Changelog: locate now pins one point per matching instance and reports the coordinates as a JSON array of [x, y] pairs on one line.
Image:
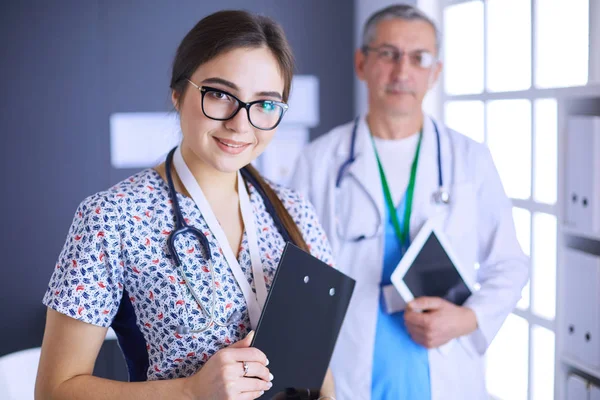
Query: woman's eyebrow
[[223, 82], [277, 95], [233, 86]]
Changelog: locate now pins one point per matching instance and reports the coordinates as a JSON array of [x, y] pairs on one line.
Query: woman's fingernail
[[270, 377], [267, 362], [261, 392]]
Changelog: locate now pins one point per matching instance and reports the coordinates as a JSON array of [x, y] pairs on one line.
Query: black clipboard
[[300, 323]]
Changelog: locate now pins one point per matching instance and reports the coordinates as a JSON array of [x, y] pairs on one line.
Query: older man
[[374, 183]]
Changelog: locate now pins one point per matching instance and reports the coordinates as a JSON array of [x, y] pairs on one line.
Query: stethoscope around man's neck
[[440, 196]]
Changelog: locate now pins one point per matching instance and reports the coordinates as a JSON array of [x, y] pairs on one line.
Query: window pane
[[509, 45], [507, 361], [465, 117], [542, 377], [562, 41], [509, 139], [544, 265], [463, 48], [546, 142], [522, 219]]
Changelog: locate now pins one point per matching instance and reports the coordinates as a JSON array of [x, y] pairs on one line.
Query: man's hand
[[433, 321]]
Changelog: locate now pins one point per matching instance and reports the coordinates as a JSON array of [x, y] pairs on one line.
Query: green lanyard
[[401, 234]]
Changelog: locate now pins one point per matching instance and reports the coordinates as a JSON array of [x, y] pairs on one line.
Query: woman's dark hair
[[228, 30]]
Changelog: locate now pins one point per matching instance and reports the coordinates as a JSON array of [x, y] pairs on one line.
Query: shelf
[[581, 367], [574, 232]]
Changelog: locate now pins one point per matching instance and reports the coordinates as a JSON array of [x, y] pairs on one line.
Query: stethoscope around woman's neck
[[440, 196], [182, 228], [248, 177]]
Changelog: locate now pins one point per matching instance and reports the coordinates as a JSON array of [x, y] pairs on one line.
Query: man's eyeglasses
[[220, 105], [390, 54]]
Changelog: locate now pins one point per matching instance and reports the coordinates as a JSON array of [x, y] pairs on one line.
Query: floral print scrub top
[[115, 270]]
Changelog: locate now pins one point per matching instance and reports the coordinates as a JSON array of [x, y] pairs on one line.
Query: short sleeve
[[87, 280]]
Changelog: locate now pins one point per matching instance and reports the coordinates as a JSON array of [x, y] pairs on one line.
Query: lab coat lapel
[[426, 181], [365, 168]]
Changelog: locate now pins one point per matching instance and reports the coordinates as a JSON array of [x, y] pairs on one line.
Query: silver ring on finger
[[245, 364]]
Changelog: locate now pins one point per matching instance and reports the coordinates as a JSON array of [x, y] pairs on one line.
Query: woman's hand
[[223, 378]]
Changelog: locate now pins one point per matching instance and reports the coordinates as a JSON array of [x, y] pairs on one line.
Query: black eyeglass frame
[[241, 104]]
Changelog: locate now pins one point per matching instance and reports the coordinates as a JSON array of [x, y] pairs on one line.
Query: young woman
[[179, 259]]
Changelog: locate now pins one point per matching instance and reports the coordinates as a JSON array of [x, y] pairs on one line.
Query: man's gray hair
[[401, 11]]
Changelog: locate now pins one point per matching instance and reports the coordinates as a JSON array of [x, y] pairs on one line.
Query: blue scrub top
[[400, 366]]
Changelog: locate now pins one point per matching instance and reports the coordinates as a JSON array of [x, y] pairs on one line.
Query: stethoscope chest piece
[[441, 197]]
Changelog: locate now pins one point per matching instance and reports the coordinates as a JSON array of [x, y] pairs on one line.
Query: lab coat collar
[[366, 171]]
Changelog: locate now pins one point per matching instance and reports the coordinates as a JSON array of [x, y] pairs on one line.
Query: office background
[[67, 65]]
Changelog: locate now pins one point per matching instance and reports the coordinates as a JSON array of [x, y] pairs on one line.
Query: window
[[504, 60], [561, 54], [507, 360], [546, 157], [463, 44], [466, 117], [508, 128], [508, 50]]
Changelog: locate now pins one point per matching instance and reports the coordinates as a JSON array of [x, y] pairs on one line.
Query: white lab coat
[[478, 222]]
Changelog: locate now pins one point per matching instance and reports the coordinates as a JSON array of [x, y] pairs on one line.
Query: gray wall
[[65, 66]]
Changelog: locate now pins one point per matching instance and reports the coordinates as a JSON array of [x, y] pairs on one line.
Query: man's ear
[[435, 74], [359, 64]]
